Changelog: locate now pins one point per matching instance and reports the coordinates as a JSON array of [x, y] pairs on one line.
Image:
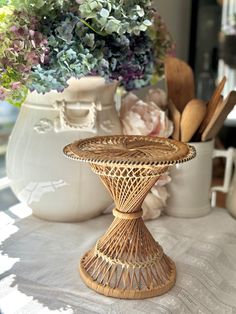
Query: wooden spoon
[[212, 105], [192, 117], [180, 82], [175, 117], [219, 117]]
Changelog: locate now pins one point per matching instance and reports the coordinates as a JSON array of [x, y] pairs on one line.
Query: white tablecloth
[[38, 266]]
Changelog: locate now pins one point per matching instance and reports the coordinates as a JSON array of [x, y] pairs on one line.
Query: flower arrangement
[[46, 42]]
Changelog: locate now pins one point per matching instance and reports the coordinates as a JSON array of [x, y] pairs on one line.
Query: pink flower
[[31, 33], [156, 200], [3, 94], [141, 118], [16, 85], [158, 96]]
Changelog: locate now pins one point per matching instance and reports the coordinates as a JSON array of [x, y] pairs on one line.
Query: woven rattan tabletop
[[130, 150]]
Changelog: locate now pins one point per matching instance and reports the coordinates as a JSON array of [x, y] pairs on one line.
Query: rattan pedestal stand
[[127, 262]]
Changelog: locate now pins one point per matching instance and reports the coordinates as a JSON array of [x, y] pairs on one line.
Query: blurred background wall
[[177, 15]]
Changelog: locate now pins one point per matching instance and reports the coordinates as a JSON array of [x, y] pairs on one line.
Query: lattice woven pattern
[[127, 262], [132, 150]]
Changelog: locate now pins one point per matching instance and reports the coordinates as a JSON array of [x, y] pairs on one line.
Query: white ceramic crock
[[54, 187], [190, 189]]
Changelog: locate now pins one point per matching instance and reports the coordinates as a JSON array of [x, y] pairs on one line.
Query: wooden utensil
[[175, 117], [180, 82], [212, 105], [219, 117], [192, 117]]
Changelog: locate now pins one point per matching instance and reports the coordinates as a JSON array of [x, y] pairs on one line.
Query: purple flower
[[18, 31], [18, 45], [14, 29], [32, 58]]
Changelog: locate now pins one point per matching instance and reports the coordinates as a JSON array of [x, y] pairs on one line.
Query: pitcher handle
[[87, 123], [229, 156]]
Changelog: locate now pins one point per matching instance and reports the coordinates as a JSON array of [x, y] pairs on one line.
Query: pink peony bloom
[[158, 96], [141, 118]]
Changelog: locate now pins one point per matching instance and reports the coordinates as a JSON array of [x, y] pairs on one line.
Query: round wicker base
[[124, 293]]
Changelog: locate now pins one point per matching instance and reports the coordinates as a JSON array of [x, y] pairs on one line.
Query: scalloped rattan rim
[[135, 164]]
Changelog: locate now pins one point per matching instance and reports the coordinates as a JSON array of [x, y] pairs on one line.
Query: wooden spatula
[[219, 117], [191, 119], [212, 105], [180, 82], [175, 117]]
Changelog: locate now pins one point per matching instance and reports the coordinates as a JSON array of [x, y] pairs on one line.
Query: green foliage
[[117, 16], [17, 97], [3, 3]]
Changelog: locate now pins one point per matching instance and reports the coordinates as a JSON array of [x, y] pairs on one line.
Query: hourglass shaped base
[[127, 262], [144, 273]]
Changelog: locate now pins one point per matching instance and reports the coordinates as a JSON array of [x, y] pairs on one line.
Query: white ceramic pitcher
[[55, 187], [231, 197], [190, 189]]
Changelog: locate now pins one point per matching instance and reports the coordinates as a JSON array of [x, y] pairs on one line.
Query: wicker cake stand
[[127, 262]]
